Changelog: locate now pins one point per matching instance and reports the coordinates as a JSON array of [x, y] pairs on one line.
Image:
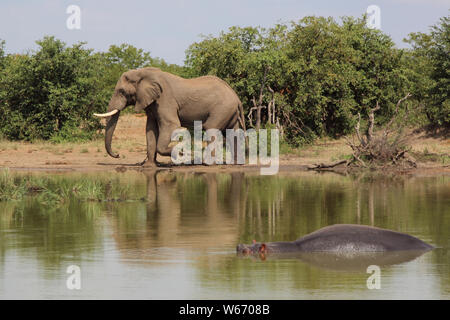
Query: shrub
[[51, 92], [322, 73], [430, 66]]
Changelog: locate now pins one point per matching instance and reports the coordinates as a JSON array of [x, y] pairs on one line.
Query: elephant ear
[[146, 93]]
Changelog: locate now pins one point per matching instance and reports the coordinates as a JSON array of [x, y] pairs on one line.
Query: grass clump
[[10, 188], [57, 190]]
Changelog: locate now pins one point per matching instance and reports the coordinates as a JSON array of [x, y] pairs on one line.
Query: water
[[176, 236]]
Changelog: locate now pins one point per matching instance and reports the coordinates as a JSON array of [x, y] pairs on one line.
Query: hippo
[[342, 239]]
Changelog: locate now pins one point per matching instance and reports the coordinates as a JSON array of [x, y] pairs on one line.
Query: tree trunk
[[260, 101]]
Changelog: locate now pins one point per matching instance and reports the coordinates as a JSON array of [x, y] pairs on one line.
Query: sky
[[167, 28]]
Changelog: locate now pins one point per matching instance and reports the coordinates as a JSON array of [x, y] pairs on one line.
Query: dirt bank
[[129, 141]]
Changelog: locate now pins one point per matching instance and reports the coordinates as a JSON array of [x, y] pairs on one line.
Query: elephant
[[171, 103]]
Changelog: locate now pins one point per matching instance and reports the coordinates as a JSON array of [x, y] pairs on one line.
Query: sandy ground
[[129, 142]]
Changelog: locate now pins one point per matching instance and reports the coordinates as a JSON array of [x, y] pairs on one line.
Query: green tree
[[2, 54], [51, 93], [337, 70], [430, 68], [322, 73], [119, 59], [243, 58]]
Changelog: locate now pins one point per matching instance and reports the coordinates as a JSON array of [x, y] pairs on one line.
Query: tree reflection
[[200, 214]]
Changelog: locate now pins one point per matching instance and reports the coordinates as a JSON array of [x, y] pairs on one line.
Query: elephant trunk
[[111, 123]]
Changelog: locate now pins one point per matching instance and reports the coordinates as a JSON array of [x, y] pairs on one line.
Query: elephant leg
[[152, 131], [233, 124], [164, 139], [236, 145], [227, 121]]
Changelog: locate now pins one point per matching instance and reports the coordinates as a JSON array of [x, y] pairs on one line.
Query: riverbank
[[431, 152]]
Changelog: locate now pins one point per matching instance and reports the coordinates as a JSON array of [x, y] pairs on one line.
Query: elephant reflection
[[175, 217]]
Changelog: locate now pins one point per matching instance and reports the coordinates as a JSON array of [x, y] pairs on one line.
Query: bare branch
[[371, 123], [271, 107], [261, 95], [288, 116], [388, 127], [358, 134]]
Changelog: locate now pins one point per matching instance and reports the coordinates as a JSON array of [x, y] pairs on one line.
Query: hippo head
[[250, 249]]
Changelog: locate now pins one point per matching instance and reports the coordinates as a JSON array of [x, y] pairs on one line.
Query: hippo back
[[358, 238]]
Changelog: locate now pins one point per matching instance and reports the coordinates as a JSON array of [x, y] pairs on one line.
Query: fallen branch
[[328, 166], [381, 149]]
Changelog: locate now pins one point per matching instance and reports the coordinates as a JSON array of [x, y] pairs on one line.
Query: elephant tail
[[241, 116]]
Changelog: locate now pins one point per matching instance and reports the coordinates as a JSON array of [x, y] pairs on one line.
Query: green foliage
[[323, 73], [239, 57], [119, 59], [2, 54], [50, 91], [430, 68], [52, 191]]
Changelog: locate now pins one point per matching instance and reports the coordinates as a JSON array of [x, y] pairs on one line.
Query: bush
[[2, 54], [119, 59], [309, 78], [430, 66], [322, 73], [50, 92]]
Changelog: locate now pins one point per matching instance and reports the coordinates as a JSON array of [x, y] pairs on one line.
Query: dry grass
[[129, 141]]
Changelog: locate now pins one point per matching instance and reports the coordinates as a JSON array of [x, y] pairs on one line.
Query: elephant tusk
[[108, 114]]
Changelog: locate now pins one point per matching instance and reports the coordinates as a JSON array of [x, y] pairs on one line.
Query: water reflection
[[194, 221], [182, 210], [349, 262]]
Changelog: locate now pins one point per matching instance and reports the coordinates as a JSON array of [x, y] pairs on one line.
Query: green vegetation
[[119, 59], [52, 191], [309, 79], [321, 73], [318, 73], [430, 64], [51, 93]]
